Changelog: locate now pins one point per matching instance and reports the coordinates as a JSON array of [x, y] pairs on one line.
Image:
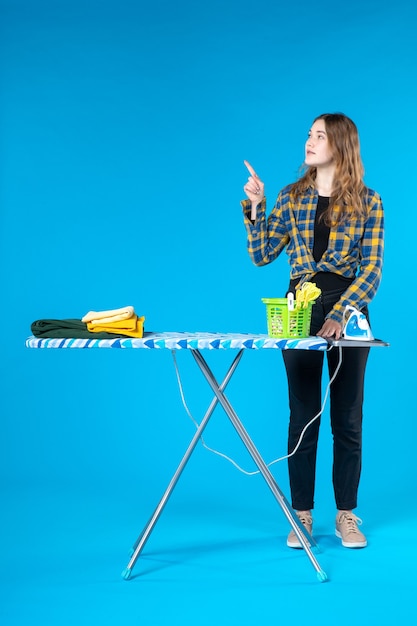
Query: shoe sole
[[296, 544], [347, 544]]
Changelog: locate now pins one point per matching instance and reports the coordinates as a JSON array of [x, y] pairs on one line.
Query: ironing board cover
[[186, 341]]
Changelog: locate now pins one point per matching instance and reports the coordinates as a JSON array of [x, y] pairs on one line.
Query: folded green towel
[[68, 328]]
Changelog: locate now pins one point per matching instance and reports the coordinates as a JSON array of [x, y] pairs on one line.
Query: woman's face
[[317, 149]]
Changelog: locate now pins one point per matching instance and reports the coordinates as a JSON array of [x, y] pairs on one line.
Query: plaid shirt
[[355, 248]]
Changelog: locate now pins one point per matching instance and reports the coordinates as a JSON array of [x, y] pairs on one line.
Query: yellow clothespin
[[308, 292]]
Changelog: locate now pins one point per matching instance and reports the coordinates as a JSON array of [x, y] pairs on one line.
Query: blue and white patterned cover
[[186, 341]]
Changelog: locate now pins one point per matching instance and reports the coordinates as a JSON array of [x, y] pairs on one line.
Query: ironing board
[[195, 343]]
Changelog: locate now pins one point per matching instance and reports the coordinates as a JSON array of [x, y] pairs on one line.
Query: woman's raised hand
[[254, 189]]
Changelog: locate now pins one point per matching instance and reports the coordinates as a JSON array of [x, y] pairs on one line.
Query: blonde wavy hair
[[348, 187]]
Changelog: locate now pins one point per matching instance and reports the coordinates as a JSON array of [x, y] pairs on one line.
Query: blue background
[[124, 126]]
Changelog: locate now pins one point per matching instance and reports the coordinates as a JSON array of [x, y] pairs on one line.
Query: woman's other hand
[[330, 329]]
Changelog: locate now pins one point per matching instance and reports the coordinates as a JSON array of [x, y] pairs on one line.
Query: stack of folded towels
[[122, 321]]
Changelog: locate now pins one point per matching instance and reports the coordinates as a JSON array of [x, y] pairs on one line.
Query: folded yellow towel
[[131, 327], [112, 315], [110, 320]]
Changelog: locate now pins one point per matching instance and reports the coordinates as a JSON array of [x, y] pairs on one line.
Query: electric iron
[[356, 325]]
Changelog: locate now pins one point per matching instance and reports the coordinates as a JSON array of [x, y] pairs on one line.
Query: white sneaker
[[347, 530]]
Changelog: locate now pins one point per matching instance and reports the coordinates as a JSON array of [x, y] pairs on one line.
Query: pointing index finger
[[251, 170]]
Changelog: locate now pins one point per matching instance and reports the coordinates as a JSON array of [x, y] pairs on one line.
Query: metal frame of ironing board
[[214, 341]]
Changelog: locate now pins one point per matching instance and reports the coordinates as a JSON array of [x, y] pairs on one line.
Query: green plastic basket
[[284, 323]]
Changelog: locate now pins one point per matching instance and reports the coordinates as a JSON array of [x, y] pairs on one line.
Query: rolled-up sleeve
[[266, 237]]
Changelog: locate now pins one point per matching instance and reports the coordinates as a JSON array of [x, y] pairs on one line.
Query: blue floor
[[206, 562]]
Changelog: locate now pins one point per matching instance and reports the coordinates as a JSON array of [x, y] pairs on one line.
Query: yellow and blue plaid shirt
[[355, 248]]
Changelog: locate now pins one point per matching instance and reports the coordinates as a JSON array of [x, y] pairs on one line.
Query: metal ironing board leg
[[303, 536], [145, 534]]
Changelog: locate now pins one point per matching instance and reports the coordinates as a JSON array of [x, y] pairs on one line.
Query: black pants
[[304, 372]]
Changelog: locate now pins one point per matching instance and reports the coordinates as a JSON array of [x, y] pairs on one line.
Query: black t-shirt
[[326, 281], [321, 230]]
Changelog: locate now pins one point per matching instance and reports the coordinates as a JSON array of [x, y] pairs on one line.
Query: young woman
[[331, 227]]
